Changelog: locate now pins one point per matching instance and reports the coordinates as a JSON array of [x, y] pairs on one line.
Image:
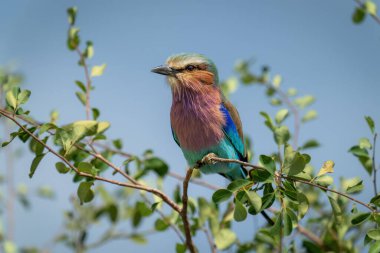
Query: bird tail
[[238, 173]]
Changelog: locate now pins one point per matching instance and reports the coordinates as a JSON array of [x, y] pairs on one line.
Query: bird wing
[[233, 129], [175, 137]]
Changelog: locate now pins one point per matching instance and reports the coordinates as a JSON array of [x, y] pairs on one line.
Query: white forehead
[[182, 60]]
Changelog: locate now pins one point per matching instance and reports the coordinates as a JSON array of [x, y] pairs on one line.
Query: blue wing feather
[[232, 134]]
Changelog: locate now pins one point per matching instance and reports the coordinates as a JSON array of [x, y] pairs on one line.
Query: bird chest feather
[[196, 119]]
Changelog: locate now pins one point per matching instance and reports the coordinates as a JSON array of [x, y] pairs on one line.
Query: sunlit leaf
[[374, 234], [310, 115], [370, 123], [327, 167], [98, 70], [281, 115], [281, 135], [224, 238]]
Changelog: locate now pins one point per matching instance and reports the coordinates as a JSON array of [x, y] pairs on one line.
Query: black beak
[[163, 70]]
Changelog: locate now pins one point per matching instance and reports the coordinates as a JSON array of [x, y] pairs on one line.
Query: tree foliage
[[301, 199]]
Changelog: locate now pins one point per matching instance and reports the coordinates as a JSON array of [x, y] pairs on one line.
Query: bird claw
[[208, 159]]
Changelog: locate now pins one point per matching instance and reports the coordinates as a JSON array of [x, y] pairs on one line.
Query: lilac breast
[[196, 120]]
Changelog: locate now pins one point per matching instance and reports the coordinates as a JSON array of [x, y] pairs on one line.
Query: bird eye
[[190, 67]]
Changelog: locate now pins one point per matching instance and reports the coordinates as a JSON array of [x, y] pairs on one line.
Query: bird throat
[[196, 118]]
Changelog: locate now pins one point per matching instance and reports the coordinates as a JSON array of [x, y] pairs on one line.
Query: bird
[[203, 121]]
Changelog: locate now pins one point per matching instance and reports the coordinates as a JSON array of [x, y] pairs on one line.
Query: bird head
[[189, 71]]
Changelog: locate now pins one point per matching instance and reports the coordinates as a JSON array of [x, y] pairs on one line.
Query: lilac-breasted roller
[[203, 121]]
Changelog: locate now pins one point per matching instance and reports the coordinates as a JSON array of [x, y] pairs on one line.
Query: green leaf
[[281, 115], [268, 163], [260, 176], [82, 97], [139, 239], [281, 135], [143, 209], [238, 184], [336, 209], [118, 143], [295, 163], [310, 115], [221, 195], [360, 218], [71, 13], [288, 224], [371, 124], [160, 225], [364, 143], [359, 152], [9, 247], [370, 7], [375, 247], [358, 16], [89, 51], [87, 168], [277, 79], [61, 168], [254, 200], [47, 126], [180, 248], [98, 70], [268, 120], [275, 102], [303, 204], [85, 193], [23, 97], [95, 113], [355, 188], [267, 201], [292, 92], [157, 165], [310, 144], [276, 228], [11, 98], [376, 200], [36, 161], [73, 39], [240, 213], [224, 238], [324, 180], [327, 167], [374, 234], [304, 101], [81, 86]]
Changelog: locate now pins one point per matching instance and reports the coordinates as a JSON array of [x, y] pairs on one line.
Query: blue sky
[[312, 44]]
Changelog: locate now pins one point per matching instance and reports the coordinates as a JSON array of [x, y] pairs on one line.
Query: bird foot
[[208, 159]]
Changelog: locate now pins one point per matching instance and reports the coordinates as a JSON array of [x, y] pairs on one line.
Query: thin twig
[[156, 192], [361, 5], [374, 169], [210, 240], [330, 190], [111, 235], [313, 237], [88, 81], [284, 97], [194, 181], [183, 213]]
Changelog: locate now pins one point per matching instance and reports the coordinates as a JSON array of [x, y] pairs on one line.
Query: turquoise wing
[[232, 133]]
